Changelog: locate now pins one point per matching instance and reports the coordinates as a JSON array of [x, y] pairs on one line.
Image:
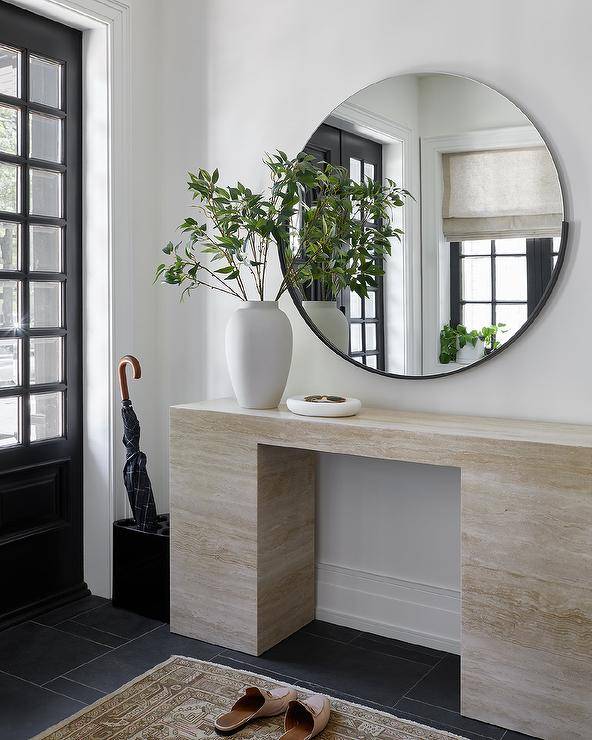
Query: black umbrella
[[135, 476]]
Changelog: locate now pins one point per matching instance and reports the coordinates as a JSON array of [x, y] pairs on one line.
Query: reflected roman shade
[[501, 193]]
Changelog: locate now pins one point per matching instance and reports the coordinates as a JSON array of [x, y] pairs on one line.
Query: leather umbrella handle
[[121, 369]]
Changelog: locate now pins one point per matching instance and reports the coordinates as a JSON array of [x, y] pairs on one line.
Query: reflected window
[[499, 281]]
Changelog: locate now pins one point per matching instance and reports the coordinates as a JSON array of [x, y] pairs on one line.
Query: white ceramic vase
[[259, 353], [330, 321], [469, 354]]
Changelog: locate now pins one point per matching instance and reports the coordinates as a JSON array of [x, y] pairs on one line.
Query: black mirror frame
[[495, 353]]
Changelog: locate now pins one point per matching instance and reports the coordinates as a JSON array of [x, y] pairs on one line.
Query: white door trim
[[359, 120], [107, 252]]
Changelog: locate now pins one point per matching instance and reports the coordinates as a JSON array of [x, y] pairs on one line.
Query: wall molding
[[108, 256], [402, 609], [365, 122]]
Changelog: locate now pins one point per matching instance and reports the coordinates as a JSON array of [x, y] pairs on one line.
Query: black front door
[[41, 560]]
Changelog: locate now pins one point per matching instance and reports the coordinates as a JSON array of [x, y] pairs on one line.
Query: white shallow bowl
[[298, 405]]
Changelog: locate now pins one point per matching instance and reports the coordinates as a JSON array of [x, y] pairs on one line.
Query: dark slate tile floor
[[64, 660]]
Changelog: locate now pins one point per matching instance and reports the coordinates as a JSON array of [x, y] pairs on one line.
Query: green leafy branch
[[339, 239]]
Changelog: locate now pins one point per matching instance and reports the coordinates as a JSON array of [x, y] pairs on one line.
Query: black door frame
[[41, 547]]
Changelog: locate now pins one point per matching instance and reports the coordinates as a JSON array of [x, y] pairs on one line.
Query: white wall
[[263, 91], [250, 81], [454, 105]]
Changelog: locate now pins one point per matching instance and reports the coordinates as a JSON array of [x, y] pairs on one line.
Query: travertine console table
[[242, 545]]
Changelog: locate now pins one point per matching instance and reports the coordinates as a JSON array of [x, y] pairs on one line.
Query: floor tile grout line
[[425, 675], [52, 691], [71, 680], [38, 685], [392, 655], [92, 660], [421, 649], [352, 644], [86, 611], [445, 709], [73, 634], [451, 725], [112, 634], [328, 689], [326, 637], [331, 639], [299, 681], [259, 668], [41, 686]]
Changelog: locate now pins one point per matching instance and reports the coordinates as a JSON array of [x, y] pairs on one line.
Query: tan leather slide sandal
[[254, 704], [306, 718]]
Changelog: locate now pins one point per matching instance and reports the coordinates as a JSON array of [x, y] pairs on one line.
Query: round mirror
[[466, 259]]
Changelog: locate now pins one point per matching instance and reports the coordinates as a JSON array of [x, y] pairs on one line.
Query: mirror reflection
[[481, 236]]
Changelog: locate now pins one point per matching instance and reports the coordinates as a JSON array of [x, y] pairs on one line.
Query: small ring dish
[[344, 407]]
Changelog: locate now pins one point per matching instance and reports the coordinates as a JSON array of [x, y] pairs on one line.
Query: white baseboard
[[383, 605]]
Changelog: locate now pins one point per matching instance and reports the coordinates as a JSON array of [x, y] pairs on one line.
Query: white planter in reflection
[[330, 321], [259, 353], [469, 354]]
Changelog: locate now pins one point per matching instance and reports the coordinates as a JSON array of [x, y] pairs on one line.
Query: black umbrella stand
[[140, 544]]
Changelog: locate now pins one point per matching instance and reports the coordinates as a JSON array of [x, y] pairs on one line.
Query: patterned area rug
[[181, 698]]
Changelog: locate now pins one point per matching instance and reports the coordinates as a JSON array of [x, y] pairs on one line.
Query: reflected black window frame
[[540, 258]]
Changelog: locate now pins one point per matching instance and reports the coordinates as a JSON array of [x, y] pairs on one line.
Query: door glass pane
[[356, 337], [45, 193], [45, 361], [370, 337], [10, 237], [510, 279], [9, 71], [368, 173], [45, 137], [9, 422], [479, 246], [355, 306], [45, 309], [476, 279], [46, 416], [45, 81], [513, 316], [476, 315], [371, 305], [9, 187], [45, 248], [510, 246], [9, 129], [355, 169], [371, 361], [9, 304], [9, 362]]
